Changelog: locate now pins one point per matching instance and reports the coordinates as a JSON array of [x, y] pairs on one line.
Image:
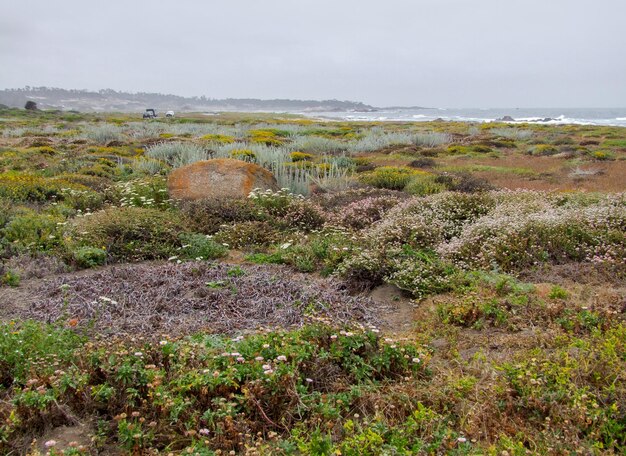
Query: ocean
[[547, 116]]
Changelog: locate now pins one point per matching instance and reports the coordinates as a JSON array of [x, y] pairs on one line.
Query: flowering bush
[[506, 230], [362, 213], [288, 210], [145, 192], [520, 233], [196, 392]]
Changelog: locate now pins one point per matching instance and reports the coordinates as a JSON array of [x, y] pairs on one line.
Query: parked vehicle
[[169, 114], [150, 114]]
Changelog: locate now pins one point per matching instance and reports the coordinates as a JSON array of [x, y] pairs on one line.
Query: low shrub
[[212, 385], [177, 153], [10, 278], [217, 138], [529, 229], [144, 192], [207, 216], [129, 233], [421, 273], [363, 212], [463, 182], [33, 232], [602, 155], [30, 187], [424, 162], [389, 177], [89, 257], [300, 156], [543, 150], [243, 154], [424, 185], [201, 247], [247, 234]]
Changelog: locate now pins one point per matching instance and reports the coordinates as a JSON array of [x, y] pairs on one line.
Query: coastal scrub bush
[[103, 134], [267, 137], [144, 192], [129, 233], [89, 257], [217, 138], [243, 154], [302, 215], [30, 187], [543, 150], [421, 273], [602, 155], [528, 229], [201, 247], [423, 185], [288, 210], [33, 232], [300, 156], [389, 177], [177, 153], [362, 213], [207, 216], [423, 162], [247, 234], [197, 392], [148, 166], [517, 134]]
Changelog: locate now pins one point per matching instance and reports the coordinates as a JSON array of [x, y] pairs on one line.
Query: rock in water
[[219, 178]]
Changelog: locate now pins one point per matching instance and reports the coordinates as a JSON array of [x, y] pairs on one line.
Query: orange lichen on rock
[[219, 178]]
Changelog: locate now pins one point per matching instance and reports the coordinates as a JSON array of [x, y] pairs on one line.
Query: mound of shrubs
[[129, 233]]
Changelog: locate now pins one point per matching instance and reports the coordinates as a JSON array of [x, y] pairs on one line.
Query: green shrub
[[243, 154], [543, 149], [216, 138], [421, 273], [389, 177], [603, 155], [10, 278], [130, 233], [300, 156], [558, 293], [201, 247], [29, 187], [424, 185], [89, 257], [33, 232]]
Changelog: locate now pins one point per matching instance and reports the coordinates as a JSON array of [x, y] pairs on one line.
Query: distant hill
[[108, 100]]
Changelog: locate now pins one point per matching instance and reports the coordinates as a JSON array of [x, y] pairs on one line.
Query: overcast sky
[[443, 53]]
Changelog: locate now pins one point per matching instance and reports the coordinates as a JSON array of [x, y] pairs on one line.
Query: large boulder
[[219, 178]]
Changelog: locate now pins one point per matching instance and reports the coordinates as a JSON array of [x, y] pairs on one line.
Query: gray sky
[[444, 53]]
